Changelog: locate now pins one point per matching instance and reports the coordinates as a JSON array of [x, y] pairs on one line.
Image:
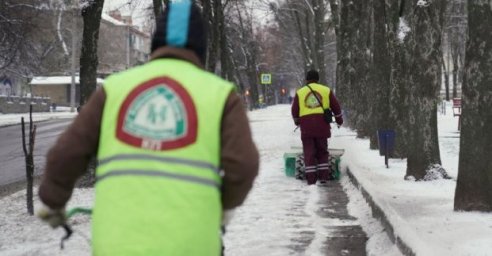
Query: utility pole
[[74, 51]]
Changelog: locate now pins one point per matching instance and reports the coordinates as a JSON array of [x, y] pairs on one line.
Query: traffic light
[[283, 91]]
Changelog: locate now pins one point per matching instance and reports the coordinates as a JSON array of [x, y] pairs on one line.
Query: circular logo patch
[[158, 115]]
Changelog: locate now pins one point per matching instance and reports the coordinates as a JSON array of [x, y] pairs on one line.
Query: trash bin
[[386, 141]]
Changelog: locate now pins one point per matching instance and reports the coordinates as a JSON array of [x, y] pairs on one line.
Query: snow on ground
[[280, 210], [11, 119], [421, 212], [22, 234]]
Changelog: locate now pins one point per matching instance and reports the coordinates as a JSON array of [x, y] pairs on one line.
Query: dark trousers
[[316, 159]]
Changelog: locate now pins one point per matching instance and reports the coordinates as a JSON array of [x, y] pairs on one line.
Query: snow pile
[[403, 30], [423, 3], [436, 172]]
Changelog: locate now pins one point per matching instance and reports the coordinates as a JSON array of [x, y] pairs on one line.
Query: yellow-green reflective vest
[[158, 182], [308, 104]]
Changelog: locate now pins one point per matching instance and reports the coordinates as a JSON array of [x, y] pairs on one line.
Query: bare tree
[[473, 191], [455, 30], [249, 49], [304, 22], [453, 45], [20, 51], [29, 159], [13, 30]]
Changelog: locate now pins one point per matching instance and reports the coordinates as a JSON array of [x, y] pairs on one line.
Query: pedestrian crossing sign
[[266, 78]]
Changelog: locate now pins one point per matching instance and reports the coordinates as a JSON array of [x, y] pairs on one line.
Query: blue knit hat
[[181, 25]]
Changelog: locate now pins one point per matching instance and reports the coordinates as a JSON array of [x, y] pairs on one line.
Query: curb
[[34, 122], [378, 213], [11, 188]]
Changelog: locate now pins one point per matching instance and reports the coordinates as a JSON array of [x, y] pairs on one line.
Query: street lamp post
[[263, 86]]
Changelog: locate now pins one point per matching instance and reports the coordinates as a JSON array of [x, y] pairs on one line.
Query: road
[[12, 164]]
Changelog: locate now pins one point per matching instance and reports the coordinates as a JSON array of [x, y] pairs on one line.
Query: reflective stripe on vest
[[159, 155], [164, 159], [308, 104], [161, 174]]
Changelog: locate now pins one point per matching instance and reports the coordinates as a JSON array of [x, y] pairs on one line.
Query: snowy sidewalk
[[281, 216], [419, 215]]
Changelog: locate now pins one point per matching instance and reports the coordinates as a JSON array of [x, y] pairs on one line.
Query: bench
[[457, 107], [457, 110]]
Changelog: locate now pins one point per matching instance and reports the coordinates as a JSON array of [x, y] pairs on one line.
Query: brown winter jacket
[[314, 126], [67, 160]]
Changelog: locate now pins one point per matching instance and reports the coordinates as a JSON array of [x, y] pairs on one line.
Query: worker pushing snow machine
[[313, 110]]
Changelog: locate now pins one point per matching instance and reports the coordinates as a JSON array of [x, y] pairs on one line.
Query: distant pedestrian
[[310, 103]]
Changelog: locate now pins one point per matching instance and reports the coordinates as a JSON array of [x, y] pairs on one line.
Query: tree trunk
[[335, 13], [400, 56], [157, 10], [455, 73], [344, 56], [319, 38], [473, 188], [232, 70], [213, 35], [224, 53], [29, 160], [380, 74], [446, 78], [359, 69], [335, 16], [88, 57], [425, 78], [251, 52], [207, 17], [304, 40], [159, 5]]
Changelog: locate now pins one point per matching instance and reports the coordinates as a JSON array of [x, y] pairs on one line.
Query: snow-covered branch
[[60, 36]]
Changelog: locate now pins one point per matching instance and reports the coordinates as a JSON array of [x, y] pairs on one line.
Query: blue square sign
[[266, 78]]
